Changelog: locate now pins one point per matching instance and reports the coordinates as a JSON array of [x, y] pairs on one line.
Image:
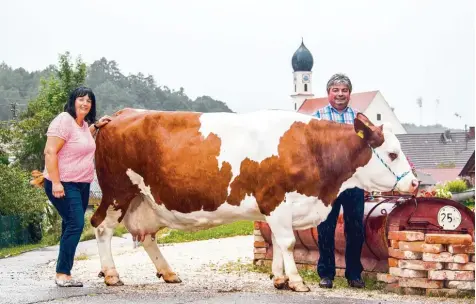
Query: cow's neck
[[338, 152]]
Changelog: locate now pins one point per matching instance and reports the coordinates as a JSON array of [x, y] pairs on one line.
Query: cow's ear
[[364, 119], [366, 130], [362, 129]]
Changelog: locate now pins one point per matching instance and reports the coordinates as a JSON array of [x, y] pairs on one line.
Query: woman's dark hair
[[80, 92]]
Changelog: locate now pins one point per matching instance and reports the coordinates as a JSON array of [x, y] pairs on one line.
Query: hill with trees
[[113, 89]]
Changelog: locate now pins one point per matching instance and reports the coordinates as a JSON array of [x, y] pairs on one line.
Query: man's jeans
[[71, 208], [352, 201]]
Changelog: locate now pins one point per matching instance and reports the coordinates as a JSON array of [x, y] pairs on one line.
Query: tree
[[29, 134]]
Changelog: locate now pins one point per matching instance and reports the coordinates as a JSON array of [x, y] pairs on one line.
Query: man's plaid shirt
[[330, 113]]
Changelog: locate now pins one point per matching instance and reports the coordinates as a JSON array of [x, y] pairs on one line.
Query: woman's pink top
[[76, 157]]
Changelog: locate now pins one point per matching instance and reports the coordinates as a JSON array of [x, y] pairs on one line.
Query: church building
[[371, 103]]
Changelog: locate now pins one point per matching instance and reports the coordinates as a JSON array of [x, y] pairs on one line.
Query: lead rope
[[399, 177]]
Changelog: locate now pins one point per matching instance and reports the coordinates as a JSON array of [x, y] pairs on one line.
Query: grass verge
[[16, 250], [309, 276], [166, 235]]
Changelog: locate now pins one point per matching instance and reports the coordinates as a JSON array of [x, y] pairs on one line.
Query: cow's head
[[388, 168]]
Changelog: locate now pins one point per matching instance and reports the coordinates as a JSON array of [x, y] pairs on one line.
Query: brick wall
[[431, 264], [419, 264]]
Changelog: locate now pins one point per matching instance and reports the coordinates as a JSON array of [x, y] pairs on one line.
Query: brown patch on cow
[[180, 165], [313, 159], [167, 150]]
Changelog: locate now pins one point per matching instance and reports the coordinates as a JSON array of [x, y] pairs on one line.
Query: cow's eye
[[392, 156]]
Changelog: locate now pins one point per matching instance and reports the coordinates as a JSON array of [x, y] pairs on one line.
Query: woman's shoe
[[68, 283]]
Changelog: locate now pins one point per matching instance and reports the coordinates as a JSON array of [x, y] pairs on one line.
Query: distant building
[[372, 104], [302, 62], [443, 156], [468, 170]]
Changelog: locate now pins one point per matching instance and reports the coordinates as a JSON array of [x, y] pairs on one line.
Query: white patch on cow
[[281, 223], [145, 216], [141, 218], [260, 132], [375, 176], [104, 233], [307, 211], [138, 180]]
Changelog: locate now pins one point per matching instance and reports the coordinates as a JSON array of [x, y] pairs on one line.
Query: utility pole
[[420, 104], [436, 114]]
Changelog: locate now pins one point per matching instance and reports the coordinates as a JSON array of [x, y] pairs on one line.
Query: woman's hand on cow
[[103, 121], [58, 190]]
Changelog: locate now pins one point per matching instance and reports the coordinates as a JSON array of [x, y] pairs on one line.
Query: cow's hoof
[[281, 282], [170, 277], [101, 274], [298, 286], [113, 281]]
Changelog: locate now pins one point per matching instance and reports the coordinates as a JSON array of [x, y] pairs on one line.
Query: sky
[[240, 52]]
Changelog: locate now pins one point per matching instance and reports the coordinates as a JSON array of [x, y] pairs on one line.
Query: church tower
[[302, 63]]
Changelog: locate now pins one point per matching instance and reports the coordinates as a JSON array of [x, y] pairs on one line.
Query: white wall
[[380, 106], [298, 100], [298, 81], [299, 94]]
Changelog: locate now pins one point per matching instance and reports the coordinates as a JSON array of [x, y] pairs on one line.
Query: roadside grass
[[307, 275], [81, 257], [16, 250], [49, 240], [166, 235]]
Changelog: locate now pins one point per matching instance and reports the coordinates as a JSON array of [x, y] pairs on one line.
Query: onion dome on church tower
[[302, 60]]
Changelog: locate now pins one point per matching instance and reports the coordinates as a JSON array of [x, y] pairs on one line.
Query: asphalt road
[[132, 295], [27, 279]]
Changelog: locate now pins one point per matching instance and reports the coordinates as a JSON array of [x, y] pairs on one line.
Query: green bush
[[469, 203], [18, 197], [3, 158], [455, 186]]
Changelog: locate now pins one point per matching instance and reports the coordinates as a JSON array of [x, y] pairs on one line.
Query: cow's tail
[[38, 179]]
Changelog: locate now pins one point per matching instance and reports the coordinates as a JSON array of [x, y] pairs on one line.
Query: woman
[[69, 171]]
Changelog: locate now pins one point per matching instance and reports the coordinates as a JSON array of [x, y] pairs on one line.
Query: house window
[[305, 87], [379, 117]]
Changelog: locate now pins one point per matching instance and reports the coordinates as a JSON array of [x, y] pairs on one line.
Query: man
[[339, 89]]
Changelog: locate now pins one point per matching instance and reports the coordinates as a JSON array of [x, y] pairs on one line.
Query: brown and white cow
[[192, 171]]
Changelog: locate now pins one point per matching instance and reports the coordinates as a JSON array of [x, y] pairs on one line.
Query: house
[[440, 155], [468, 170], [372, 104]]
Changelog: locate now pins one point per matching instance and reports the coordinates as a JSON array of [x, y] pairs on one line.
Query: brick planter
[[418, 264], [431, 264]]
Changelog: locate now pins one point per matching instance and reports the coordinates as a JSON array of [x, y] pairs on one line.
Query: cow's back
[[187, 159]]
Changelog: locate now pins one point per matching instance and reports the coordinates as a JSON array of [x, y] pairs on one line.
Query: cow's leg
[[104, 233], [163, 268], [280, 222], [279, 279]]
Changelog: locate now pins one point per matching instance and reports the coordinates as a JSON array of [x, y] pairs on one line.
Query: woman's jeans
[[71, 208]]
